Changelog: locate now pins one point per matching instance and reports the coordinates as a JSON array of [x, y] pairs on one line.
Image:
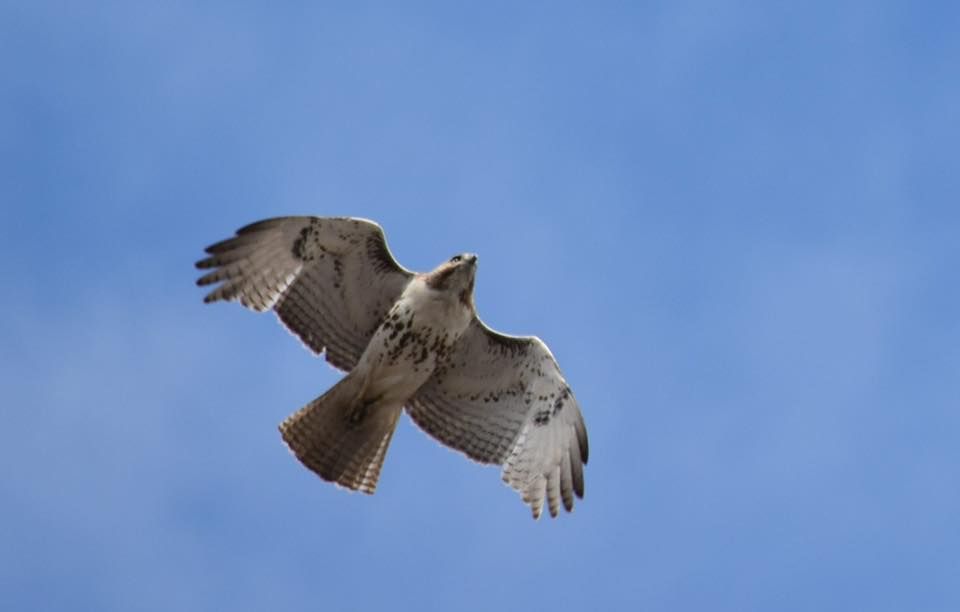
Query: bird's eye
[[456, 258]]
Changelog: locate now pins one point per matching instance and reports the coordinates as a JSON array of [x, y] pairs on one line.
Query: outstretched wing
[[502, 399], [330, 280]]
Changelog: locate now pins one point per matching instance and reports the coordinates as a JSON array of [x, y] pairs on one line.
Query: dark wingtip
[[582, 443], [576, 473]]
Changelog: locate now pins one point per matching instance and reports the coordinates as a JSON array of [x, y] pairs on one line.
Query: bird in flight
[[408, 341]]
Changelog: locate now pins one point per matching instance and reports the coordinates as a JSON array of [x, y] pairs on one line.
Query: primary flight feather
[[406, 340]]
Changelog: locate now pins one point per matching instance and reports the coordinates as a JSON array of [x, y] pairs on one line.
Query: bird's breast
[[415, 334]]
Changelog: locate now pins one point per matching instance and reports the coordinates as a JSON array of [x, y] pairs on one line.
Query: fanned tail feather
[[340, 438]]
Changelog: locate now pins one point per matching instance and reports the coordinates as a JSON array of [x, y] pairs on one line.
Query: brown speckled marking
[[320, 305]]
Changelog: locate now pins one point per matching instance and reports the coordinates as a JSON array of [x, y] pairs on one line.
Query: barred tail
[[341, 437]]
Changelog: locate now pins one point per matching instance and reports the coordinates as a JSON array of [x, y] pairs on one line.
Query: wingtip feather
[[582, 442], [263, 224]]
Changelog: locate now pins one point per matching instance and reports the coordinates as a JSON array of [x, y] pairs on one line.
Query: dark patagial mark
[[508, 346], [299, 249], [379, 254]]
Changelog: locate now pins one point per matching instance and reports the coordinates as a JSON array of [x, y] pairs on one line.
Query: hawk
[[408, 341]]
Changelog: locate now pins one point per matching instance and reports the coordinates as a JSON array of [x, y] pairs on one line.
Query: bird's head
[[456, 275]]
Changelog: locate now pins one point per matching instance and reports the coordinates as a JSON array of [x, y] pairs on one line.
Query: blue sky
[[734, 224]]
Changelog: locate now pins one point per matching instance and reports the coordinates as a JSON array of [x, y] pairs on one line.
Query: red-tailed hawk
[[406, 340]]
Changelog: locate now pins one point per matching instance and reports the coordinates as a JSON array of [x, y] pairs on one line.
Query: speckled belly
[[402, 355]]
